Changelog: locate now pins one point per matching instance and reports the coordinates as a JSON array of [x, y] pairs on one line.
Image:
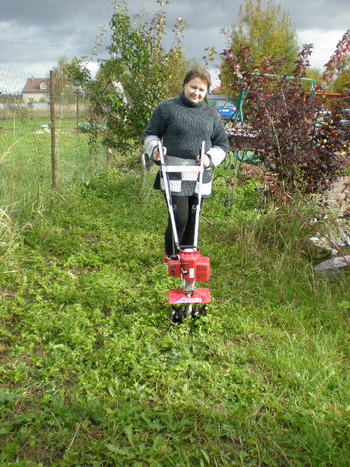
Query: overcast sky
[[35, 34]]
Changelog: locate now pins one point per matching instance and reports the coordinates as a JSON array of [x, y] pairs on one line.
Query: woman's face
[[195, 90]]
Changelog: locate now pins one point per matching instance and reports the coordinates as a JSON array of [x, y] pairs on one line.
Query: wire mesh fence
[[44, 144]]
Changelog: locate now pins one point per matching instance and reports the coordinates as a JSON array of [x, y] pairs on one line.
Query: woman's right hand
[[156, 155]]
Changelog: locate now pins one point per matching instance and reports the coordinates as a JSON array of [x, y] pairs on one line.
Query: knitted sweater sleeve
[[155, 129], [220, 144]]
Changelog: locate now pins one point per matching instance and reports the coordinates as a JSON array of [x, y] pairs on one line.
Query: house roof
[[39, 85]]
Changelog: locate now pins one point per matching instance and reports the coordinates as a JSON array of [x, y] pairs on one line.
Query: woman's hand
[[206, 161], [156, 155]]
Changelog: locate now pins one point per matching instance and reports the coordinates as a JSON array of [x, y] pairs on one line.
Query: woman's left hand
[[206, 161]]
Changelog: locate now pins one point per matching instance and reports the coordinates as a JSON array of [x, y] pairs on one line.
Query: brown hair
[[200, 73]]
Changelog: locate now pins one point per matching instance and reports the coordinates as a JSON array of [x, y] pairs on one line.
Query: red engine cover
[[174, 268], [190, 265], [188, 259], [203, 269]]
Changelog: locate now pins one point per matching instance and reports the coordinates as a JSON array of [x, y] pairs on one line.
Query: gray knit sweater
[[182, 126]]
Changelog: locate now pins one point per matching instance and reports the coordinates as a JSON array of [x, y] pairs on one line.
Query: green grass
[[93, 373], [26, 164]]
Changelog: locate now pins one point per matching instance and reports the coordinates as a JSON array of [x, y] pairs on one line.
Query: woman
[[181, 124]]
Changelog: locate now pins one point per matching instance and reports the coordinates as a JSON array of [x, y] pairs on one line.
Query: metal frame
[[182, 168]]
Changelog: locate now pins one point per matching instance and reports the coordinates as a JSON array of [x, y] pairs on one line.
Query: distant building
[[12, 82], [36, 90]]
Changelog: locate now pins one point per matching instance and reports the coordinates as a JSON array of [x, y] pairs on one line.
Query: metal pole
[[200, 183], [168, 195]]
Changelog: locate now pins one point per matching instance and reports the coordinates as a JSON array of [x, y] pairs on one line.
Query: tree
[[336, 75], [315, 74], [64, 88], [338, 62], [301, 148], [342, 80], [267, 34], [78, 75], [136, 77]]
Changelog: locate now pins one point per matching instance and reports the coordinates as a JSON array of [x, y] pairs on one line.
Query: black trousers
[[185, 219]]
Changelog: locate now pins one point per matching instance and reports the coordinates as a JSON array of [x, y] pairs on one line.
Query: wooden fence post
[[53, 130]]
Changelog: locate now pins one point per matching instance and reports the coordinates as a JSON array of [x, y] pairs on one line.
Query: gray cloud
[[35, 34]]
